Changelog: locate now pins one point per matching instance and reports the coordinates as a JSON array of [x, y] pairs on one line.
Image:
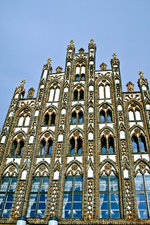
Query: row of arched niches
[[104, 114]]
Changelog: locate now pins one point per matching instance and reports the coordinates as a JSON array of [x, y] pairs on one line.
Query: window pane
[[68, 184], [1, 200], [4, 184], [147, 182], [45, 184], [78, 184], [104, 214], [103, 183], [76, 213], [113, 183], [139, 183]]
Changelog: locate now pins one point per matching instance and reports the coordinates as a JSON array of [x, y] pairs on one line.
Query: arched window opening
[[46, 119], [50, 146], [7, 191], [72, 199], [81, 95], [14, 148], [57, 92], [137, 115], [80, 117], [135, 144], [79, 146], [142, 186], [111, 144], [43, 147], [131, 115], [53, 119], [20, 122], [142, 144], [72, 146], [102, 116], [77, 77], [21, 146], [75, 96], [82, 76], [101, 92], [27, 121], [103, 145], [107, 91], [74, 118], [109, 206], [109, 116], [51, 95], [38, 197]]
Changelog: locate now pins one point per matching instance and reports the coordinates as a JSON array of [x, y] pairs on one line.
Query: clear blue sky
[[33, 30]]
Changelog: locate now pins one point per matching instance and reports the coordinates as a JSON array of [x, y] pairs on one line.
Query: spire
[[142, 80], [92, 44], [114, 61], [71, 46]]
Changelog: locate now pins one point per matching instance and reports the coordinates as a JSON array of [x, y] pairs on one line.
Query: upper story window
[[139, 143], [17, 148], [24, 118], [107, 144], [38, 197], [80, 73], [54, 93], [76, 146], [142, 186], [7, 190], [109, 206], [49, 118], [72, 199], [77, 117], [78, 94], [104, 90], [134, 114], [105, 116], [46, 147]]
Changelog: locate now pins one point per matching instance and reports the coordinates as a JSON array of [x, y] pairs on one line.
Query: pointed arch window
[[134, 114], [24, 121], [78, 94], [46, 147], [72, 199], [38, 197], [17, 148], [49, 119], [54, 94], [80, 73], [104, 91], [107, 144], [77, 117], [142, 186], [7, 191], [139, 144], [76, 146], [109, 206], [105, 116]]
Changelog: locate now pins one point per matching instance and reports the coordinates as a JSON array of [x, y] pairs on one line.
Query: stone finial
[[30, 93], [141, 73], [20, 89], [103, 66], [114, 61], [59, 69], [23, 82], [48, 65], [71, 46], [91, 44], [130, 86], [71, 42]]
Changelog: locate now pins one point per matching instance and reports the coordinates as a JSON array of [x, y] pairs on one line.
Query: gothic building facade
[[80, 149]]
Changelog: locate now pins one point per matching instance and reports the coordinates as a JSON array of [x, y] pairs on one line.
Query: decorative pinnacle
[[141, 73], [114, 55], [92, 41], [49, 61], [71, 42], [23, 82]]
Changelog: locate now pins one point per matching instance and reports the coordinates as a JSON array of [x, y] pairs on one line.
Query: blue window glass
[[103, 145], [82, 76], [142, 186], [14, 148], [21, 146], [102, 116], [7, 190], [38, 197], [72, 201], [109, 197], [111, 144], [142, 144], [72, 146], [77, 77], [50, 146], [43, 147], [109, 116], [80, 117], [135, 144], [46, 119], [74, 118], [79, 146]]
